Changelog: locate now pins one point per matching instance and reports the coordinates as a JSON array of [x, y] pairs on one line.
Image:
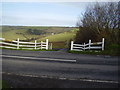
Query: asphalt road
[[82, 59], [54, 64]]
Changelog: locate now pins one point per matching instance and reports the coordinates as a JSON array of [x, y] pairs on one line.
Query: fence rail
[[88, 46], [23, 45]]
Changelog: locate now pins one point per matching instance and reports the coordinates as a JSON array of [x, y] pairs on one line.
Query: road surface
[[61, 65]]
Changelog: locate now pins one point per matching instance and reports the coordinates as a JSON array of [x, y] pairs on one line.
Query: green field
[[12, 35], [14, 32], [61, 35]]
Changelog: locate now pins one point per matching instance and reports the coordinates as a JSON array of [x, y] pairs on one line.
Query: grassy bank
[[0, 84], [5, 85], [28, 49]]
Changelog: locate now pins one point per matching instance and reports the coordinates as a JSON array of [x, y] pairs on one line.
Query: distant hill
[[58, 36], [52, 33]]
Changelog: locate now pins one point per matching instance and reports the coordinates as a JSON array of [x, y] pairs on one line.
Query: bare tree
[[101, 20]]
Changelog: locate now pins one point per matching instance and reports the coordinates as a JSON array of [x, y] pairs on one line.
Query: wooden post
[[84, 47], [71, 45], [89, 44], [46, 44], [51, 46], [103, 44], [35, 44], [41, 45], [18, 43]]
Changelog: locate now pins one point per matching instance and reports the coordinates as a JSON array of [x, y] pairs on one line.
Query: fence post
[[89, 44], [84, 47], [103, 43], [18, 43], [51, 46], [35, 44], [46, 44], [41, 45], [71, 45]]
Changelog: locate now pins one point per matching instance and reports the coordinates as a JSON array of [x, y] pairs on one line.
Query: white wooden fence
[[17, 44], [88, 46]]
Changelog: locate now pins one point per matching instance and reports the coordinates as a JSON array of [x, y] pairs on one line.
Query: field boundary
[[88, 46], [17, 44]]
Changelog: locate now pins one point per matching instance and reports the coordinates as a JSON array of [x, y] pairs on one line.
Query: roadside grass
[[112, 50], [5, 85], [95, 53], [0, 84], [29, 49], [60, 44]]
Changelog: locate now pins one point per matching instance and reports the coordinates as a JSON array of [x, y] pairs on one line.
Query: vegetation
[[32, 33], [0, 84], [112, 50], [14, 34], [60, 37], [5, 85], [28, 49], [101, 20], [35, 32]]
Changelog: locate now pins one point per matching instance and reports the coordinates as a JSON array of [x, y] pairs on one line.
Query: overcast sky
[[42, 13]]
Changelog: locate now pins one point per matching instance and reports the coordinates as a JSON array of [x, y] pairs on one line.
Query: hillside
[[65, 36], [58, 36], [52, 33]]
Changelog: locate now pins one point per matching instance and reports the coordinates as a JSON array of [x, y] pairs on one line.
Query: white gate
[[17, 44], [88, 46]]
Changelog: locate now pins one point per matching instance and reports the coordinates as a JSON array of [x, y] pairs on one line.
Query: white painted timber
[[90, 45], [8, 43], [24, 45], [8, 47], [2, 38], [77, 45], [71, 45]]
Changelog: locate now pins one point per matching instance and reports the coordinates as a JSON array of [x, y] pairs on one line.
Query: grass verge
[[5, 85], [29, 49]]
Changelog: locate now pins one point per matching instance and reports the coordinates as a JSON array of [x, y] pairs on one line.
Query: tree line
[[100, 20], [36, 31]]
